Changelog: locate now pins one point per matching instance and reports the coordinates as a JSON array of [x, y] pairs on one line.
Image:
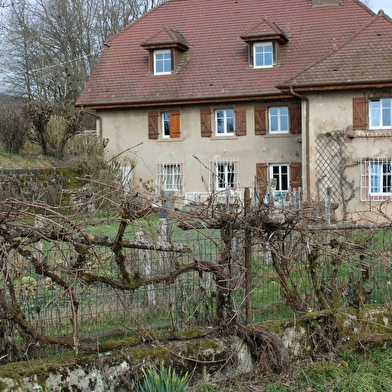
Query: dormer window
[[264, 41], [263, 55], [165, 49], [162, 62]]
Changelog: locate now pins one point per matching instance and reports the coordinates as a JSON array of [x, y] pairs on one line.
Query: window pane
[[274, 120], [386, 177], [230, 175], [386, 112], [166, 123], [375, 113], [221, 176], [375, 180], [220, 121], [229, 121], [268, 56], [284, 119]]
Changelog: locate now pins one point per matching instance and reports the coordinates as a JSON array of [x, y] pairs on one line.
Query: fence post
[[145, 261], [163, 237], [328, 206], [248, 260]]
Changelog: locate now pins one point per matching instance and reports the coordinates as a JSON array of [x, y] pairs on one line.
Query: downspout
[[305, 100], [99, 118]]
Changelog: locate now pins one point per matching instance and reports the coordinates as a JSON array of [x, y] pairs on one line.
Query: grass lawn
[[353, 371]]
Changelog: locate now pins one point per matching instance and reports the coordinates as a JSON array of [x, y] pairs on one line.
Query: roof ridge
[[339, 47]]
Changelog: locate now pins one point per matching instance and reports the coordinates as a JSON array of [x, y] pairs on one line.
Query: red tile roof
[[364, 58], [216, 66]]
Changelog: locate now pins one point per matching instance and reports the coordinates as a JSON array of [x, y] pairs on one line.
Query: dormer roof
[[265, 31], [166, 38]]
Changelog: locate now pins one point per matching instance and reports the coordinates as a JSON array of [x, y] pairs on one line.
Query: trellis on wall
[[331, 164]]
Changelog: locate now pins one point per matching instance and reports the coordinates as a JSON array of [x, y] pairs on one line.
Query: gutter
[[99, 118], [305, 100]]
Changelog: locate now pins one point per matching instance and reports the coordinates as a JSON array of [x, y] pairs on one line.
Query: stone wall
[[211, 358]]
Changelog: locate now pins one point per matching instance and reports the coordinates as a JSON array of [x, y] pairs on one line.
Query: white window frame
[[228, 122], [380, 113], [279, 174], [282, 126], [264, 62], [165, 61], [170, 177], [376, 179], [224, 174], [165, 124]]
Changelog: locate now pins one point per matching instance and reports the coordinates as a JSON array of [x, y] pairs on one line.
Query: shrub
[[13, 129], [162, 380]]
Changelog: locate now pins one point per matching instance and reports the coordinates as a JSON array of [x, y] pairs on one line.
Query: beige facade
[[338, 153], [128, 129]]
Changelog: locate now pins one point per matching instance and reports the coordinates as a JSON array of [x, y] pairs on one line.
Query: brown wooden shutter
[[295, 175], [175, 124], [262, 178], [360, 113], [205, 121], [260, 126], [295, 118], [240, 121], [153, 125]]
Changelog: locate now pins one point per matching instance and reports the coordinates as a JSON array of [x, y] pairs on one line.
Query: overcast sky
[[385, 5]]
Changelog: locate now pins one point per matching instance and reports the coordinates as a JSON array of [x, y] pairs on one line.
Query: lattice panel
[[330, 166]]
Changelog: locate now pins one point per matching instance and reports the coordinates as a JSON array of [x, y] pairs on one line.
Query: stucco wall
[[331, 112], [129, 127]]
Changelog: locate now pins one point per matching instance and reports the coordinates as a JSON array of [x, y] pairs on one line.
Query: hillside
[[27, 160]]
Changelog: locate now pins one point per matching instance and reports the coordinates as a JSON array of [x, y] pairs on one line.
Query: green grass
[[352, 372]]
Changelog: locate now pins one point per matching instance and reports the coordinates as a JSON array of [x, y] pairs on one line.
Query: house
[[217, 95]]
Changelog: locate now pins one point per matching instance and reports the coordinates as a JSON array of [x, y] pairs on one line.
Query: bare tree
[[55, 44]]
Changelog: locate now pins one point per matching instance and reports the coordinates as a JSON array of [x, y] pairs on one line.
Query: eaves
[[181, 102]]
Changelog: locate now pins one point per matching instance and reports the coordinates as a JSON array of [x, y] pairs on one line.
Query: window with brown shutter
[[295, 175], [205, 122], [260, 125], [240, 121], [153, 125], [295, 118], [360, 113]]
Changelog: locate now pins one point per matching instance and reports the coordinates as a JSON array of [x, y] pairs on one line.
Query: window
[[170, 177], [283, 176], [224, 122], [167, 127], [162, 62], [280, 173], [171, 124], [263, 55], [225, 174], [380, 112], [376, 179], [279, 119]]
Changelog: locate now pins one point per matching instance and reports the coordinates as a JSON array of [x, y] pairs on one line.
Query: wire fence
[[190, 299]]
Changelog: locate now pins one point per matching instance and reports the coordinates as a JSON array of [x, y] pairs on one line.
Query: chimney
[[323, 3]]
